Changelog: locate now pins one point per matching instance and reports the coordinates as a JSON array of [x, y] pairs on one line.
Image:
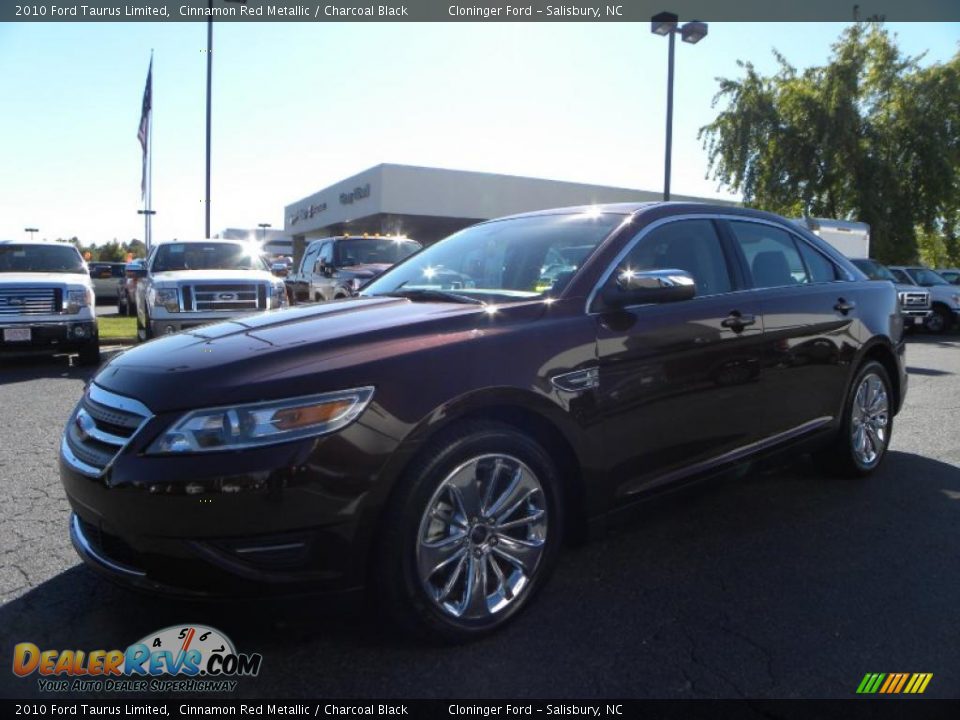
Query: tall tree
[[871, 136]]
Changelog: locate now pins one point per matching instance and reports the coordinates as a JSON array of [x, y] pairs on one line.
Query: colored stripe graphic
[[894, 683]]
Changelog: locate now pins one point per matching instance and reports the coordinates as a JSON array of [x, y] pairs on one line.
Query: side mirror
[[641, 287]]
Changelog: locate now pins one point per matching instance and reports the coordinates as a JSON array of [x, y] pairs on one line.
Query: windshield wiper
[[432, 294]]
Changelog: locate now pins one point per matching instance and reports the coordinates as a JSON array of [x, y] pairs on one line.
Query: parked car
[[914, 300], [184, 284], [47, 303], [336, 267], [105, 277], [945, 298], [951, 275], [127, 288], [436, 440]]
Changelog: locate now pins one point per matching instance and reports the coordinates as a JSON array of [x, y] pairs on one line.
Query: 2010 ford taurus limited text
[[437, 437]]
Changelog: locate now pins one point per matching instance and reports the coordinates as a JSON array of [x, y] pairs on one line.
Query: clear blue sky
[[297, 107]]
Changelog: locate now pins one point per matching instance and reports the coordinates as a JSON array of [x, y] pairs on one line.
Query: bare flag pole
[[149, 238], [145, 136]]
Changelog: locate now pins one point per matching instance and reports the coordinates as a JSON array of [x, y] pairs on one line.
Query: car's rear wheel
[[867, 424], [472, 533]]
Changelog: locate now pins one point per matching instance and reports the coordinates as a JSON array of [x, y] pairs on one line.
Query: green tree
[[111, 252], [870, 136], [136, 248]]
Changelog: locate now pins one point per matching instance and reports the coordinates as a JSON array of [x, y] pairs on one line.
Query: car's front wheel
[[89, 354], [866, 427], [144, 331], [940, 320], [472, 534]]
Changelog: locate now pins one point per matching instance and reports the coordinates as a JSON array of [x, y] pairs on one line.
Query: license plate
[[16, 335]]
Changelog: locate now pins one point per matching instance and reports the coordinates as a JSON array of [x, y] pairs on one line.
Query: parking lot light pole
[[31, 231], [665, 23], [206, 201], [263, 231]]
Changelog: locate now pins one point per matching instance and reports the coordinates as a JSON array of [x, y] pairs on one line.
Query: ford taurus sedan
[[437, 438]]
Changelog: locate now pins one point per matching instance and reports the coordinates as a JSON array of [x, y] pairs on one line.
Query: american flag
[[143, 133]]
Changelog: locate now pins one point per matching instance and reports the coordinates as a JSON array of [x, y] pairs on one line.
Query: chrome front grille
[[914, 300], [30, 301], [213, 297], [101, 426]]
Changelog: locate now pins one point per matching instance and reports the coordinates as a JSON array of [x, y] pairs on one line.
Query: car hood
[[182, 276], [309, 349], [902, 287], [366, 270], [43, 278]]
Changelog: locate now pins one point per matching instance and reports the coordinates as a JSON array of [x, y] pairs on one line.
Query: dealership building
[[427, 204]]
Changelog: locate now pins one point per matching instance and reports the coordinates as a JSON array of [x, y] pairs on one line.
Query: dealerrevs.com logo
[[185, 658]]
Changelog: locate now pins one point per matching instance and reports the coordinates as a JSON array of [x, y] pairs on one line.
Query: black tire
[[939, 321], [841, 458], [144, 332], [401, 590], [89, 354]]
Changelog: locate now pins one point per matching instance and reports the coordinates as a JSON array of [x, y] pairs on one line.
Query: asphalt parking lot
[[777, 583]]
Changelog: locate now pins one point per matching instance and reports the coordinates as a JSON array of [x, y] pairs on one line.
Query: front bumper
[[48, 337], [169, 327], [289, 519]]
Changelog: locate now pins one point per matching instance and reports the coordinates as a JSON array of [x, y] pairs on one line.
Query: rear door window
[[773, 259], [819, 267]]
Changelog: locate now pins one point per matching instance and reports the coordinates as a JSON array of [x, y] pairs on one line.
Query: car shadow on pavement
[[780, 582]]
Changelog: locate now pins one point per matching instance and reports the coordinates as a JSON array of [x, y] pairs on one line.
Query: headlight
[[168, 299], [956, 300], [267, 423], [278, 296], [77, 299]]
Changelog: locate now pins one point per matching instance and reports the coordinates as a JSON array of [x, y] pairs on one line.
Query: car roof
[[659, 207], [362, 237]]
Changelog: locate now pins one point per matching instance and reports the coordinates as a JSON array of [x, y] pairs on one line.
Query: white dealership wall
[[430, 203]]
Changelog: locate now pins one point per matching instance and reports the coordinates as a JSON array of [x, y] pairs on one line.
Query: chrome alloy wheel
[[870, 419], [482, 536]]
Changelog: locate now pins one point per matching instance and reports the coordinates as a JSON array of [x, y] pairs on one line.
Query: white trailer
[[850, 238]]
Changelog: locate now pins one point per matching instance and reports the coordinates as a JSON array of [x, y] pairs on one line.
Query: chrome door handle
[[737, 321], [843, 306]]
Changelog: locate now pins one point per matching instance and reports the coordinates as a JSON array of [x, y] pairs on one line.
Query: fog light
[[169, 330], [80, 331]]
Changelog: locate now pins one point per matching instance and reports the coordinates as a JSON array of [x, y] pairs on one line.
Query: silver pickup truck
[[46, 301], [915, 302], [184, 284]]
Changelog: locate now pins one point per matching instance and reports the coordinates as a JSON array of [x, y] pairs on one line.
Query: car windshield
[[207, 256], [927, 278], [40, 258], [371, 251], [517, 258], [874, 270]]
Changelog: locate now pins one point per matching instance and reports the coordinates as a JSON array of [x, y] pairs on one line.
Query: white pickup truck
[[47, 303], [184, 284]]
